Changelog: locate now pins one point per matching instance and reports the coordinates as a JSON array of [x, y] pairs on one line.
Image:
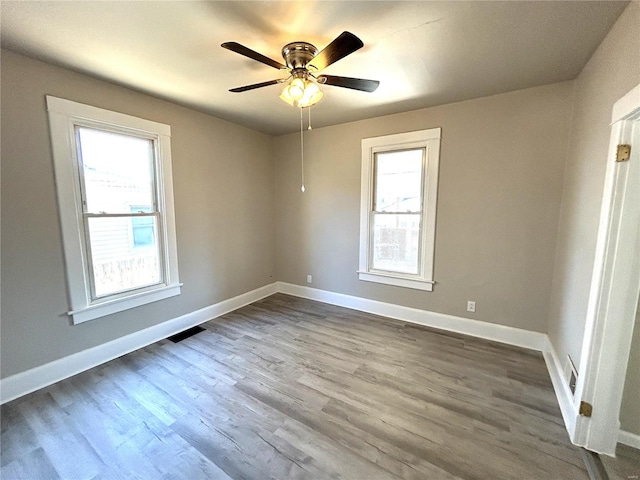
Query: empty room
[[320, 240]]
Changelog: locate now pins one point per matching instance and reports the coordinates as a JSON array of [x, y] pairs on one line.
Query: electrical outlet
[[471, 306], [309, 279]]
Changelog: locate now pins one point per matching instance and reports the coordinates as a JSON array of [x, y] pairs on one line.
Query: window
[[113, 178], [398, 206]]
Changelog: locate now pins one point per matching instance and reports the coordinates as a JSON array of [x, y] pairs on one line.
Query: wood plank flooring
[[288, 388], [625, 465]]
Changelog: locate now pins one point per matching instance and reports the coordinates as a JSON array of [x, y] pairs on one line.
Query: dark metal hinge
[[586, 409], [623, 153]]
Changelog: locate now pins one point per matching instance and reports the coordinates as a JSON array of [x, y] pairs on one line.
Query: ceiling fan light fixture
[[312, 95], [285, 96], [296, 88], [301, 93]]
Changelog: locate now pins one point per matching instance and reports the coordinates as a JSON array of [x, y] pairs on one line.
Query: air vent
[[178, 337]]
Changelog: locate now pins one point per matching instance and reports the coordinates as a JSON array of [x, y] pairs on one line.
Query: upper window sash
[[154, 178], [376, 177]]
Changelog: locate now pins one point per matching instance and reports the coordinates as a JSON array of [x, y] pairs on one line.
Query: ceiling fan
[[303, 61]]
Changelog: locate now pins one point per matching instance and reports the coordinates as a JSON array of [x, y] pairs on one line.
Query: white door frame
[[615, 285]]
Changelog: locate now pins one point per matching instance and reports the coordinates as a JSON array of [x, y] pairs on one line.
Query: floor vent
[[189, 332]]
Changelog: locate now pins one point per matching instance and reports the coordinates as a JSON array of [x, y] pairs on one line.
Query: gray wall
[[612, 71], [630, 410], [224, 201], [501, 168]]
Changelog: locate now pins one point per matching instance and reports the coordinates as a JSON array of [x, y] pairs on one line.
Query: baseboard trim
[[630, 439], [36, 378], [561, 388], [451, 323]]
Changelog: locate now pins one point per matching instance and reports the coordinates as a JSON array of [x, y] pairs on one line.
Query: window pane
[[398, 181], [396, 242], [118, 263], [118, 171]]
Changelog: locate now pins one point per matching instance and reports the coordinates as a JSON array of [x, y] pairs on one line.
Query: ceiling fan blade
[[348, 82], [345, 44], [257, 85], [247, 52]]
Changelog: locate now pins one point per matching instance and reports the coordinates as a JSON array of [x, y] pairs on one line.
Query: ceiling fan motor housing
[[298, 54]]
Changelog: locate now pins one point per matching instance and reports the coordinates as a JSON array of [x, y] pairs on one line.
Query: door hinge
[[586, 409], [623, 153]]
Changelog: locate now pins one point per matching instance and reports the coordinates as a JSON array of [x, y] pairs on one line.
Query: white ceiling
[[423, 53]]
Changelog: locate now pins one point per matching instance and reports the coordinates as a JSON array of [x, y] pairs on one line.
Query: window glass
[[118, 181], [396, 242], [143, 227], [397, 204], [117, 170], [398, 177], [117, 266]]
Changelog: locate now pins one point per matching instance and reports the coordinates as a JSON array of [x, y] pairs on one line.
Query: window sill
[[425, 285], [92, 312]]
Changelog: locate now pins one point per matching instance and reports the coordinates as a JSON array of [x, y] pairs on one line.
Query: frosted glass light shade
[[301, 93], [312, 95], [296, 88]]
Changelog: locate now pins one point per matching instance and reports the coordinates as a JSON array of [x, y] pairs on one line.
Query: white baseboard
[[630, 439], [475, 328], [39, 377], [561, 388]]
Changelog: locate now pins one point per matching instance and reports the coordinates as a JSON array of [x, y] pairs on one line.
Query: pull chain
[[309, 127], [302, 150]]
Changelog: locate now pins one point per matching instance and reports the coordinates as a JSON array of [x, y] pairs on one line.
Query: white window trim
[[430, 140], [64, 115]]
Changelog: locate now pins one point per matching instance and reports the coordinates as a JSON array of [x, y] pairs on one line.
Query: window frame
[[429, 140], [65, 117]]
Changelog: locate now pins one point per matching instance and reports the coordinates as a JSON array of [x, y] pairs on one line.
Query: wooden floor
[[626, 464], [290, 388]]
